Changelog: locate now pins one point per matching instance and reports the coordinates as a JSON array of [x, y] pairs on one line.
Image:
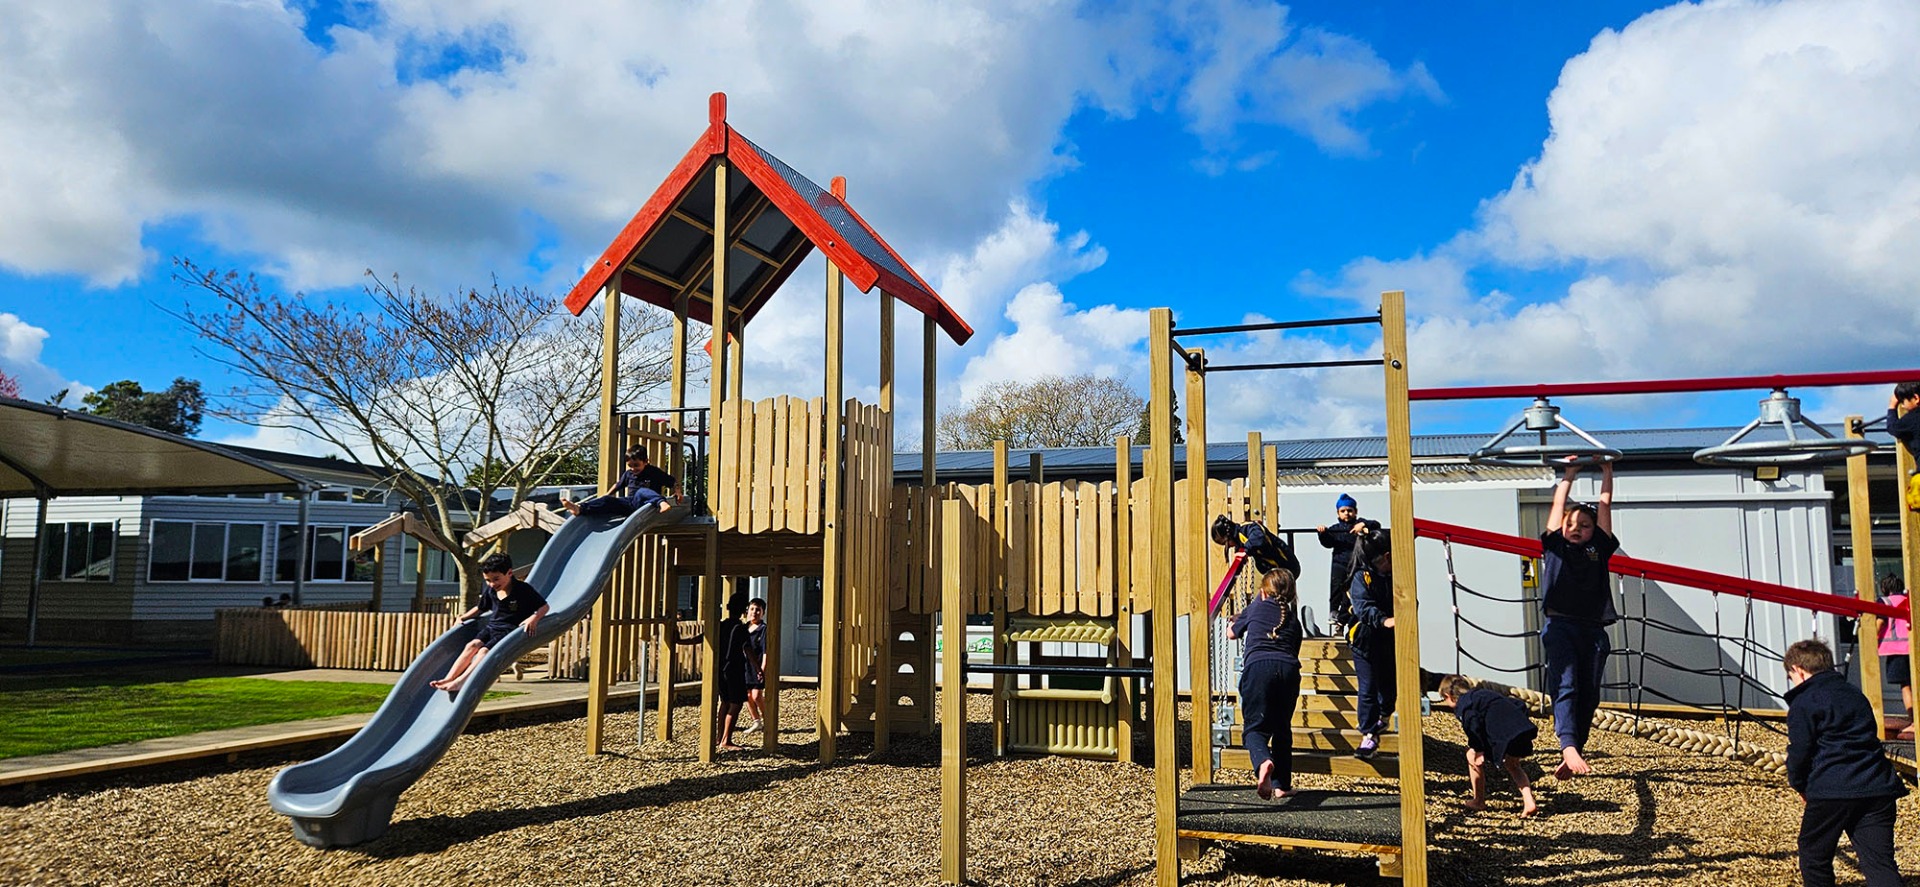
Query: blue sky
[[1566, 191]]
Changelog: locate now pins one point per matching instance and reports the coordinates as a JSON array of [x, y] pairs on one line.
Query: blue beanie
[[1345, 501]]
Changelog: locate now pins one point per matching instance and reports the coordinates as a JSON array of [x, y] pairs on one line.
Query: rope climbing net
[[1648, 647]]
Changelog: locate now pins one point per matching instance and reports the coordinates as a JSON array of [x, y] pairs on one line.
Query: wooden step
[[1329, 683], [1327, 666], [1337, 740], [1324, 763]]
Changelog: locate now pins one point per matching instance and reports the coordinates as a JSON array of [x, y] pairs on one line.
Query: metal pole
[[300, 548], [39, 569]]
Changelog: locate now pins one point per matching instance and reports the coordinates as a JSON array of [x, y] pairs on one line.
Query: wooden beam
[[834, 567], [1123, 589], [998, 705], [1860, 520], [953, 699], [710, 590], [1406, 596], [599, 648], [1270, 494], [739, 243], [1166, 767], [1909, 537], [1256, 481], [883, 693], [1199, 624], [929, 399]]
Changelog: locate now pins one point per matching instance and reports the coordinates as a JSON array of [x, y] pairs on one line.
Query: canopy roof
[[775, 217], [49, 451]]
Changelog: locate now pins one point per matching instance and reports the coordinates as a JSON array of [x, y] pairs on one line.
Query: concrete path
[[533, 696]]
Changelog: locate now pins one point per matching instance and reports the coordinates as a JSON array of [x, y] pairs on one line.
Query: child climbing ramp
[[1499, 736]]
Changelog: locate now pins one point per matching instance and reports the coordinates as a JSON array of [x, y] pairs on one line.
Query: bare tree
[[428, 386], [1051, 411]]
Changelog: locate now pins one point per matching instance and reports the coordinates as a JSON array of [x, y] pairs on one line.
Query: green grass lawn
[[94, 713]]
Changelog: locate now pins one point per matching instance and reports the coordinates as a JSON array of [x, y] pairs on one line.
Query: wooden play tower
[[783, 487]]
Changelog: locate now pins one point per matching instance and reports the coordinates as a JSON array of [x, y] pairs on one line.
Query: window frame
[[64, 554], [193, 542]]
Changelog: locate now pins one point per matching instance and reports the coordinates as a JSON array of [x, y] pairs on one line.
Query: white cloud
[[442, 140], [1729, 188], [1052, 337], [21, 345]]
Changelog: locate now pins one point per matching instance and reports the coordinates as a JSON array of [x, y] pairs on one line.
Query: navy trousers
[[1576, 660], [1378, 681], [1269, 691], [1868, 821], [621, 506]]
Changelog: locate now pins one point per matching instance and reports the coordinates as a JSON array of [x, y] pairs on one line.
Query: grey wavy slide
[[347, 796]]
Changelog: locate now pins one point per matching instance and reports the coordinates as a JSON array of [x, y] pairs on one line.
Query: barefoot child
[[1499, 734], [509, 603], [1837, 764], [1576, 592], [1270, 681]]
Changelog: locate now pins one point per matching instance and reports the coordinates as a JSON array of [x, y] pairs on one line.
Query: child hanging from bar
[[1270, 681], [1499, 736], [1576, 592]]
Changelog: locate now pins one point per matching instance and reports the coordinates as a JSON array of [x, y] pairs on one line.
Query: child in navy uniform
[[1906, 430], [1371, 638], [756, 662], [1837, 764], [1576, 591], [734, 668], [1270, 681], [1499, 734], [509, 604], [639, 486], [1267, 551], [1340, 536]]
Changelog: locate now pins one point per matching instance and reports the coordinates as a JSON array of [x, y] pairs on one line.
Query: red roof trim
[[651, 215], [718, 141]]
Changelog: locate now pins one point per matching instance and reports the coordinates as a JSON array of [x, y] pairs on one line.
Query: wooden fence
[[302, 638], [770, 462], [1052, 549]]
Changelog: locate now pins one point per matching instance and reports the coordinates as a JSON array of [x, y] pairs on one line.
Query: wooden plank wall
[[865, 534], [770, 463], [1059, 550], [391, 641]]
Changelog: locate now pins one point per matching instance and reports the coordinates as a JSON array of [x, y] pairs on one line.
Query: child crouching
[[1499, 734]]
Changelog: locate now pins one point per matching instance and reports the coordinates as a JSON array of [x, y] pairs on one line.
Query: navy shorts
[[733, 688], [1898, 670], [491, 633]]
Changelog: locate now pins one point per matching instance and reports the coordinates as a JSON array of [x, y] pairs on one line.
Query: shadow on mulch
[[437, 834]]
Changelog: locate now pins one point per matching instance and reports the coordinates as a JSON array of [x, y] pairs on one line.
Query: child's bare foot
[[1571, 764], [1474, 804], [1529, 808], [440, 684], [1285, 792], [665, 505], [729, 746], [571, 506], [1264, 788], [453, 686]]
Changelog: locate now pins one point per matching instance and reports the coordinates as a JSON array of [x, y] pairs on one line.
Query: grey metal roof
[[46, 450], [1230, 458]]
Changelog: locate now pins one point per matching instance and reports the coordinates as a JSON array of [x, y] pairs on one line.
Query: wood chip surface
[[524, 805]]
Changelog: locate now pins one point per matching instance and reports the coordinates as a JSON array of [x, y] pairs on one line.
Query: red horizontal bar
[[1664, 386], [1659, 572]]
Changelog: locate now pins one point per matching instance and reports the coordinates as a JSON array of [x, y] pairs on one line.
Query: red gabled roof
[[776, 215]]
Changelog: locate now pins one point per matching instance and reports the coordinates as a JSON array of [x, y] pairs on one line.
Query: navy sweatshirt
[[1833, 745]]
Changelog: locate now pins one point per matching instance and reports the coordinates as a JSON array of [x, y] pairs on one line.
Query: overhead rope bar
[[1298, 365], [1662, 572], [1666, 386], [1277, 325]]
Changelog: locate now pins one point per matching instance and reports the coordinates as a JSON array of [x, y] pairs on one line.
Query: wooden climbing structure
[[788, 486]]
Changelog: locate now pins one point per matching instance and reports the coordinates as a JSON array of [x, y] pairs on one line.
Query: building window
[[204, 551], [327, 556], [440, 565], [79, 552]]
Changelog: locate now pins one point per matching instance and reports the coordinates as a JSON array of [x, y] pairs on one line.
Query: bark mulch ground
[[523, 805]]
